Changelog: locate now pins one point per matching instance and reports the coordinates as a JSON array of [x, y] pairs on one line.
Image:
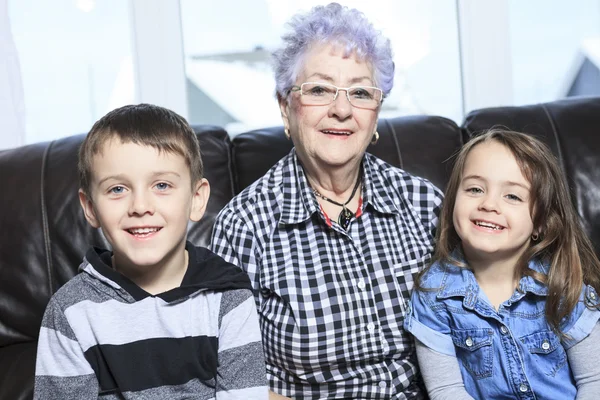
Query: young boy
[[156, 318]]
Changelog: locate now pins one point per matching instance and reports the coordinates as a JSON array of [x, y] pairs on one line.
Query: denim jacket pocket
[[474, 350], [546, 351]]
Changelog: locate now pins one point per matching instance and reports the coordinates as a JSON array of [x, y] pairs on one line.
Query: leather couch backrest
[[569, 127], [44, 234], [421, 145]]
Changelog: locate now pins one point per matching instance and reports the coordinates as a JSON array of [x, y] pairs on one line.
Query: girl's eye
[[513, 197], [117, 190], [474, 190], [162, 186]]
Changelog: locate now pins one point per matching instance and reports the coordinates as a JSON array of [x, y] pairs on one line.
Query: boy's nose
[[141, 204]]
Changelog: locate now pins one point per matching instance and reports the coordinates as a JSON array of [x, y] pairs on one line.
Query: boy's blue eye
[[162, 186], [117, 190]]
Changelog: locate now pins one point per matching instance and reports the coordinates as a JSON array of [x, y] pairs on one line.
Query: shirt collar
[[299, 201], [376, 187]]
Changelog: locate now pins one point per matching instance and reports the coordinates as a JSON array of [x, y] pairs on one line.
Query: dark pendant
[[345, 218]]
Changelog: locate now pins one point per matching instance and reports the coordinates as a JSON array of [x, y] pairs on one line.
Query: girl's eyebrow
[[508, 183]]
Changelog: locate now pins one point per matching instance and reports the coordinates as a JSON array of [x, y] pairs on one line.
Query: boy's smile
[[142, 199]]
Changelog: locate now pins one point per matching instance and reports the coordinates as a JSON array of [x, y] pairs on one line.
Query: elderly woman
[[331, 235]]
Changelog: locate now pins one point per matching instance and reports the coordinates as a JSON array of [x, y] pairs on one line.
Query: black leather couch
[[44, 234]]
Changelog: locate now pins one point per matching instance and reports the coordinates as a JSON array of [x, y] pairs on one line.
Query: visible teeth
[[140, 231], [487, 225], [337, 133]]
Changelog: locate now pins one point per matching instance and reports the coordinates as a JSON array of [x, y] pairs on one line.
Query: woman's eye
[[318, 91], [117, 190], [162, 186], [361, 93]]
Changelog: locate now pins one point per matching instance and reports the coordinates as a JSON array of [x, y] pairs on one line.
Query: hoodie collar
[[206, 271]]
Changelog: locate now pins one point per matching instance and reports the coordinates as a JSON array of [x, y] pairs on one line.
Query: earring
[[287, 133], [535, 237], [375, 138]]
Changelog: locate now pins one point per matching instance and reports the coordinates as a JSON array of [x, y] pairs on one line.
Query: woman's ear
[[200, 199], [284, 109], [88, 209]]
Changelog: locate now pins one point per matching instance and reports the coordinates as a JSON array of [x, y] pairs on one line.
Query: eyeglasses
[[321, 94]]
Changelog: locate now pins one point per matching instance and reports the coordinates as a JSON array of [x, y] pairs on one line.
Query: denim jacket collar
[[460, 282]]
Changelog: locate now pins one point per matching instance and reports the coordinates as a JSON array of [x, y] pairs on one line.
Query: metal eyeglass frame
[[297, 88]]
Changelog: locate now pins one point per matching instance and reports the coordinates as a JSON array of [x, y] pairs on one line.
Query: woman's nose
[[340, 107]]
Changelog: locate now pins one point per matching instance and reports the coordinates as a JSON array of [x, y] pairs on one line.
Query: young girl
[[510, 302]]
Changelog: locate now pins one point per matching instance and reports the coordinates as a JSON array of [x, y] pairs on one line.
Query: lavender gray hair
[[339, 25]]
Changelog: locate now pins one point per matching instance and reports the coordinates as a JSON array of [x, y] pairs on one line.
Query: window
[[227, 48], [555, 49], [75, 59]]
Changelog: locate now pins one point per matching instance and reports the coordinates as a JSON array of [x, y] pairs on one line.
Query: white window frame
[[484, 45], [485, 53], [158, 58]]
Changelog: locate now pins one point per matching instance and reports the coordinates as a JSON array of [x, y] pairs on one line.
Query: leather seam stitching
[[45, 226], [396, 144]]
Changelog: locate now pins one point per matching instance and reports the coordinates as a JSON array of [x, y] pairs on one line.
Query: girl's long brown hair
[[562, 241]]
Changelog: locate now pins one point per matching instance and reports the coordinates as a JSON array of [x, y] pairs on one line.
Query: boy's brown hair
[[143, 124]]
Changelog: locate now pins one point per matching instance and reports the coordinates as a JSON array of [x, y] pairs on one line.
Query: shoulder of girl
[[434, 276], [590, 296]]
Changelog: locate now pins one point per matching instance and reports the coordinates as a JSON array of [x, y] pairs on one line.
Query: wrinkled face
[[336, 134], [142, 199], [491, 213]]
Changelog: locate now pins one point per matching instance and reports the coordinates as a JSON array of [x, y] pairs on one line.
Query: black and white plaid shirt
[[332, 302]]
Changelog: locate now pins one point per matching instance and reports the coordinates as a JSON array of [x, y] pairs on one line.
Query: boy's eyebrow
[[161, 173], [509, 183], [118, 177], [122, 177]]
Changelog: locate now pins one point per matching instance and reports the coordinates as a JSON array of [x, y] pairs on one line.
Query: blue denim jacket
[[511, 353]]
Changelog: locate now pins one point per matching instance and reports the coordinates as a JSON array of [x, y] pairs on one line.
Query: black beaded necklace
[[345, 215]]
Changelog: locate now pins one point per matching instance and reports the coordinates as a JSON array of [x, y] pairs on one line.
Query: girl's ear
[[200, 199], [88, 209], [535, 235]]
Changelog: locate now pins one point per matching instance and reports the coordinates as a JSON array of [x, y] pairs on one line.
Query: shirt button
[[382, 384], [370, 326], [504, 330], [523, 388], [545, 345], [469, 342], [361, 285]]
